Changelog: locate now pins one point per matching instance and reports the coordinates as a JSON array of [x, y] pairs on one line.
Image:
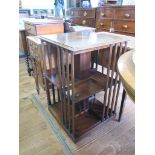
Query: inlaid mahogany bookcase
[[68, 70]]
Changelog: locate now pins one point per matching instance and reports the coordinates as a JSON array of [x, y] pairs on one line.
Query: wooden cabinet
[[34, 27], [35, 50], [113, 18], [124, 20], [82, 16], [43, 27], [75, 105], [119, 19]]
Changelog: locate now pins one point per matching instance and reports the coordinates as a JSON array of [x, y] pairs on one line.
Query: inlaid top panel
[[83, 41]]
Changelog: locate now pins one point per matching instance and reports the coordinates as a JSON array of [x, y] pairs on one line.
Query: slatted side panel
[[123, 49], [109, 68], [66, 87], [107, 82]]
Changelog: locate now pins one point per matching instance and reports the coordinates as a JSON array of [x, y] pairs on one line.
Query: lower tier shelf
[[85, 119]]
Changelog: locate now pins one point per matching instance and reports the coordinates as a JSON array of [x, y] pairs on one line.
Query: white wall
[[128, 2], [37, 4]]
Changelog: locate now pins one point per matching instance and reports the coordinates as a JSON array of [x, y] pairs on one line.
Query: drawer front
[[72, 12], [50, 29], [105, 13], [84, 21], [125, 13], [86, 13], [103, 24], [30, 29], [124, 26]]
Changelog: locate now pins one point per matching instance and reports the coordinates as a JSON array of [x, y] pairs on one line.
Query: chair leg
[[122, 105]]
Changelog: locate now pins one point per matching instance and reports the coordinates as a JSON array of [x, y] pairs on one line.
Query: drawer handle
[[84, 22], [102, 14], [85, 13], [101, 24], [127, 15], [125, 26]]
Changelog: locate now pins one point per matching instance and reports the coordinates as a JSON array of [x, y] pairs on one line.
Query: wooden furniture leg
[[28, 64], [122, 105], [37, 83], [47, 91]]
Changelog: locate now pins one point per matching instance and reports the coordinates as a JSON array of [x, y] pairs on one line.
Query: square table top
[[79, 42]]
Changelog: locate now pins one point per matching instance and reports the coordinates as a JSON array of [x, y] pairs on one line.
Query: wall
[[39, 4], [128, 2]]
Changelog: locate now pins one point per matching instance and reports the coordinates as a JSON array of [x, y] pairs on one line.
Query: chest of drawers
[[82, 16], [118, 19], [35, 27], [41, 27]]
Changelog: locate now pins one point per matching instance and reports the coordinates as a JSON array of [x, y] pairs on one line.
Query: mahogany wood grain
[[79, 82], [49, 29]]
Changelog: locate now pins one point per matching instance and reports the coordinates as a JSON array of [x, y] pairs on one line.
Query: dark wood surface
[[82, 16], [96, 141], [113, 18], [78, 81], [34, 27], [120, 19], [22, 41]]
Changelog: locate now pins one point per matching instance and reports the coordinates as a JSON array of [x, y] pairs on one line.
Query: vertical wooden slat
[[97, 59], [44, 57], [49, 54], [102, 69], [36, 76], [115, 82], [107, 81], [122, 105], [45, 72], [60, 81], [58, 92], [63, 85], [119, 83], [68, 90], [73, 103], [53, 91], [111, 81]]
